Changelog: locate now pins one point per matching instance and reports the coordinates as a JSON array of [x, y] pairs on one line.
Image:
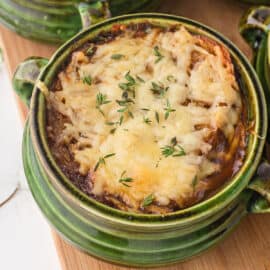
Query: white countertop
[[25, 238]]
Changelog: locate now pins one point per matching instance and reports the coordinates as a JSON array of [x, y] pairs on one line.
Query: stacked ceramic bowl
[[56, 21]]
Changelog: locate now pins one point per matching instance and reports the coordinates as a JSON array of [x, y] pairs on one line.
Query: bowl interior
[[251, 88]]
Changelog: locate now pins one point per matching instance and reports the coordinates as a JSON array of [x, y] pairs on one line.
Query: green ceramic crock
[[254, 27], [128, 238], [257, 2], [55, 21]]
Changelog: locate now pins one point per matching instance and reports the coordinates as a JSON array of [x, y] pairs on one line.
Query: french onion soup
[[147, 119]]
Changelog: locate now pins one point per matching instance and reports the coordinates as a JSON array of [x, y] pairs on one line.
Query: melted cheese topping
[[195, 82]]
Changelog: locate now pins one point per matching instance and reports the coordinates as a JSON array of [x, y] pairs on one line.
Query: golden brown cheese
[[164, 94]]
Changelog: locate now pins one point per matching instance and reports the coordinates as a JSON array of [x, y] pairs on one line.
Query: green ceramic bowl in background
[[55, 21], [254, 27], [257, 2], [128, 238]]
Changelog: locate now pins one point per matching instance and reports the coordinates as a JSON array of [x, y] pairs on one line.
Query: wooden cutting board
[[248, 247]]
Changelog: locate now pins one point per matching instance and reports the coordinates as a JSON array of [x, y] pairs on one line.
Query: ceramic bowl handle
[[260, 201], [93, 12], [25, 76], [254, 25]]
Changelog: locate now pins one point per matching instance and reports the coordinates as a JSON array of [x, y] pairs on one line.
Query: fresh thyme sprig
[[174, 149], [168, 110], [125, 104], [159, 89], [116, 124], [128, 86], [101, 100], [148, 200], [101, 160], [167, 150], [87, 80], [124, 180], [158, 54]]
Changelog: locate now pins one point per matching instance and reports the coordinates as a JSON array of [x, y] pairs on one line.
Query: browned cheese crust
[[193, 163]]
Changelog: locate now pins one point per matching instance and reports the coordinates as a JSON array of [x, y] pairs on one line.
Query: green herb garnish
[[124, 180], [110, 123], [128, 86], [179, 151], [168, 110], [102, 160], [140, 79], [121, 120], [157, 117], [174, 149], [130, 114], [116, 124], [90, 50], [124, 102], [167, 150], [194, 181], [87, 80], [130, 79], [159, 89], [157, 54], [171, 78], [148, 200], [117, 56], [147, 120], [145, 109], [101, 100], [112, 131]]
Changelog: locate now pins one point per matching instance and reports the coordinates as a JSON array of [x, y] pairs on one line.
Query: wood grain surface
[[248, 247]]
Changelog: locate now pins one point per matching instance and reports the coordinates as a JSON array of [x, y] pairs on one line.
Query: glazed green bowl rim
[[88, 204]]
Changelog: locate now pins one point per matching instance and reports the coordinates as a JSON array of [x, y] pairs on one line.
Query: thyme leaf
[[158, 54], [159, 89], [140, 79], [157, 117], [101, 100], [112, 131], [167, 150], [130, 114], [101, 161], [147, 120], [121, 120], [117, 56], [174, 149], [130, 79], [171, 78], [179, 151], [148, 200], [87, 80], [128, 86], [90, 50], [124, 102], [124, 180], [168, 110], [117, 123], [194, 181]]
